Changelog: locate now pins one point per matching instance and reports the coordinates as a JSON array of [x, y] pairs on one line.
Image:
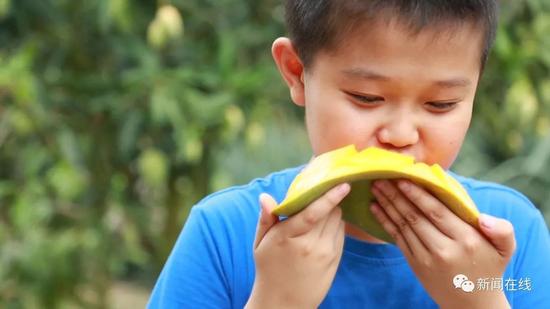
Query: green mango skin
[[356, 210]]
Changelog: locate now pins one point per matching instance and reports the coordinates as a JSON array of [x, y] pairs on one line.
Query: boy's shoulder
[[497, 199], [477, 186], [246, 196]]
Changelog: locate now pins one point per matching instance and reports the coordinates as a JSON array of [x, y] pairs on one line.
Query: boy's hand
[[296, 259], [439, 245]]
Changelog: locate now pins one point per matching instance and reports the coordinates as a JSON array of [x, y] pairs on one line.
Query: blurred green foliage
[[116, 116], [509, 140]]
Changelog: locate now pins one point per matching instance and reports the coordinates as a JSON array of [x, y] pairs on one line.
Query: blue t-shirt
[[212, 264]]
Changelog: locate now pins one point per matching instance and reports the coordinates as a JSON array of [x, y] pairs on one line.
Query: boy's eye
[[366, 98], [441, 106]]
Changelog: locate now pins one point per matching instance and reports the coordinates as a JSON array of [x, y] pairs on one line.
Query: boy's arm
[[192, 276], [439, 246]]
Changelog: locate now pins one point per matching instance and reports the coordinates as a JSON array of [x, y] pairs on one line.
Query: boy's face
[[386, 88]]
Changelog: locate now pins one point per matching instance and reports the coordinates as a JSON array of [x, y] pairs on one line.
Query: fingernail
[[403, 185], [262, 198], [373, 208], [343, 188], [487, 222], [261, 203]]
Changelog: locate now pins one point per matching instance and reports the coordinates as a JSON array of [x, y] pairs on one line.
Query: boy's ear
[[291, 68]]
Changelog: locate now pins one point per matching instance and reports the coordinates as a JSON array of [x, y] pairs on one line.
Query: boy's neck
[[358, 233]]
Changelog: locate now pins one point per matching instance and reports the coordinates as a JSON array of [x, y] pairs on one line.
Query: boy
[[399, 75]]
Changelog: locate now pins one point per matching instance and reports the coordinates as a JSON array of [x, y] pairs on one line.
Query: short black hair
[[315, 25]]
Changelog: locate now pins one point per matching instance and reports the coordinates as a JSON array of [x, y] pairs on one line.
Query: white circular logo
[[467, 286], [458, 279]]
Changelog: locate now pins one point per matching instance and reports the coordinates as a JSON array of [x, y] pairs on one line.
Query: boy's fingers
[[308, 218], [500, 233], [391, 229], [443, 218], [332, 223], [420, 233], [266, 219], [339, 238]]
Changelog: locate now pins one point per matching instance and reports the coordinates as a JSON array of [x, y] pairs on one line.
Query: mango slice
[[359, 169]]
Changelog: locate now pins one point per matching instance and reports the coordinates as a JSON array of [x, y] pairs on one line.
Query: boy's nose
[[398, 134]]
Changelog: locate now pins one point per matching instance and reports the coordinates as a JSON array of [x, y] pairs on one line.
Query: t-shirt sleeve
[[530, 278], [193, 275]]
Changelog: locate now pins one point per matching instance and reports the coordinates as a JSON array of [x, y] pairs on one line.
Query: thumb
[[266, 220], [500, 233]]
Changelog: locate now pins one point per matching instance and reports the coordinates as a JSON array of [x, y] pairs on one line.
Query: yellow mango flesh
[[360, 169]]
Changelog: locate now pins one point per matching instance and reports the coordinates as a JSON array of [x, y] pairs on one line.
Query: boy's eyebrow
[[371, 75], [365, 74]]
